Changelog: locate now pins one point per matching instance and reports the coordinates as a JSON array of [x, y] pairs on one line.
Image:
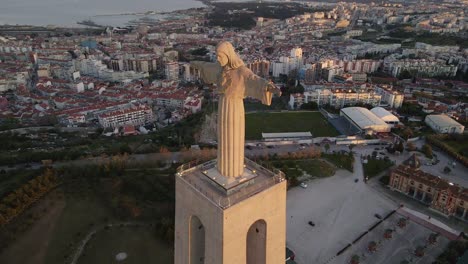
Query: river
[[68, 12]]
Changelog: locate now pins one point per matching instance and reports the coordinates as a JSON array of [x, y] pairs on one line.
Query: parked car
[[289, 254], [378, 216], [270, 146], [303, 185]]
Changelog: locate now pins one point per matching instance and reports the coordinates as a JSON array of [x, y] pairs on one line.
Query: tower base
[[220, 220]]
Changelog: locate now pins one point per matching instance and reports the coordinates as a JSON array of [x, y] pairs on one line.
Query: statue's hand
[[271, 87]]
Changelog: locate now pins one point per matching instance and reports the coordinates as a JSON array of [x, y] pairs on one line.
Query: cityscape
[[234, 132]]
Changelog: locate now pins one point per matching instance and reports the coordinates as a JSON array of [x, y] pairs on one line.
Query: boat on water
[[89, 23]]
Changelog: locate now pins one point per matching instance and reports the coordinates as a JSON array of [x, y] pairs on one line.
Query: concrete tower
[[223, 222]]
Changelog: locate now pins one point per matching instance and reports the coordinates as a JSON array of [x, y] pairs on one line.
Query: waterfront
[[68, 12]]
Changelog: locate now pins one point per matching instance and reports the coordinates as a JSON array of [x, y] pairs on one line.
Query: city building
[[171, 70], [390, 98], [364, 120], [133, 115], [439, 194], [444, 124], [420, 67], [337, 98]]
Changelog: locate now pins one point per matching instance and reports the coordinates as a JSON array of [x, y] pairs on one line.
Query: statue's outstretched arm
[[208, 70], [259, 88]]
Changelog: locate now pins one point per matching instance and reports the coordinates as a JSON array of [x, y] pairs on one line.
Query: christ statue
[[235, 82]]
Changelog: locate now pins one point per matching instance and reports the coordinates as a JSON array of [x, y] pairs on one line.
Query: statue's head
[[227, 56]]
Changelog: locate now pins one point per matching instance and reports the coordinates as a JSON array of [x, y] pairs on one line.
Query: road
[[166, 157]]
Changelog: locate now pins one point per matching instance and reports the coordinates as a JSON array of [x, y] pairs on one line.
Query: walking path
[[90, 235]]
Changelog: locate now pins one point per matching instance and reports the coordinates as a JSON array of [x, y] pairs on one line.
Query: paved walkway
[[429, 223]]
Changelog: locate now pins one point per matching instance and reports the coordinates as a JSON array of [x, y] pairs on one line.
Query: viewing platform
[[225, 192]]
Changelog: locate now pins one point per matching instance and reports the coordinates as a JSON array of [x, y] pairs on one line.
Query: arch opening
[[256, 243], [197, 241]]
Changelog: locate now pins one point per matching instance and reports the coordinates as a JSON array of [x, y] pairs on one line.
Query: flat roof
[[287, 135], [443, 120], [363, 117], [383, 114]]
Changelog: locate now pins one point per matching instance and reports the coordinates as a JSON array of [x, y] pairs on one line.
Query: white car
[[303, 185]]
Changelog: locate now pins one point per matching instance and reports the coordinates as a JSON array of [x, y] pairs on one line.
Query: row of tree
[[438, 141], [17, 201]]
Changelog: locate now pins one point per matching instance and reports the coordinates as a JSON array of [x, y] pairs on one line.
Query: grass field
[[314, 122], [140, 244], [83, 210]]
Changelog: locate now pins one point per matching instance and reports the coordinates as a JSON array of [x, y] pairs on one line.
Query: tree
[[125, 149], [388, 233], [419, 251], [427, 150], [372, 247], [407, 133], [327, 147], [351, 146], [399, 147], [410, 146], [433, 238], [447, 170], [309, 106], [355, 259], [405, 74]]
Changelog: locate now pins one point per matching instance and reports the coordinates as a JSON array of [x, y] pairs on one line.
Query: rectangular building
[[439, 194], [444, 124], [134, 115]]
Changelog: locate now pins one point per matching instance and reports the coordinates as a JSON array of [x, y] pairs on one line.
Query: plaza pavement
[[341, 210]]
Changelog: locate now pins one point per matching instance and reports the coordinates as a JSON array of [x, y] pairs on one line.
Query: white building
[[390, 98], [286, 64], [337, 98], [444, 124], [134, 115], [385, 115], [365, 120]]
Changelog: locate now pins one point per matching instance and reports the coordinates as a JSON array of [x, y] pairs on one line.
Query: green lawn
[[316, 167], [294, 169], [140, 244], [256, 123], [375, 166], [341, 160]]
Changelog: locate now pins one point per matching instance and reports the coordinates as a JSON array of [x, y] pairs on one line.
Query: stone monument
[[231, 210]]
